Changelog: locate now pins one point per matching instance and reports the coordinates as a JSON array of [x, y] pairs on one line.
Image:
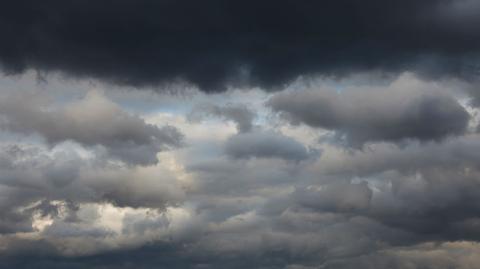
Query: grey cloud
[[128, 189], [13, 221], [240, 114], [331, 225], [335, 197], [214, 44], [242, 179], [265, 144], [245, 214], [431, 202], [79, 188], [428, 189], [27, 187], [91, 121], [259, 199], [461, 255], [417, 193], [451, 153], [62, 229], [361, 116], [302, 238]]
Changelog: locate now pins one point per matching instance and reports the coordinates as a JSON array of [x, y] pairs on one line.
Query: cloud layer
[[395, 113], [213, 44], [239, 134], [91, 121], [352, 174]]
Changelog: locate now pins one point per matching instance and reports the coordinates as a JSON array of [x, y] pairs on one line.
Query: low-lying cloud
[[215, 44], [91, 121], [391, 114]]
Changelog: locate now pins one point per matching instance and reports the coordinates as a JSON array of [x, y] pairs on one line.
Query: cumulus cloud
[[213, 43], [429, 189], [403, 110], [91, 121], [33, 177], [264, 144], [355, 142], [261, 197]]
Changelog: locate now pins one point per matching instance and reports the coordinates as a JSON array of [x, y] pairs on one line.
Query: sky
[[240, 134]]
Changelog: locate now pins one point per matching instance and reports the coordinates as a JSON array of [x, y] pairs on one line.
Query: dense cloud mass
[[265, 145], [91, 121], [239, 134], [395, 113], [34, 180], [216, 43]]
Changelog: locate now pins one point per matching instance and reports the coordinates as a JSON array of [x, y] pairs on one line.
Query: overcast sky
[[240, 134]]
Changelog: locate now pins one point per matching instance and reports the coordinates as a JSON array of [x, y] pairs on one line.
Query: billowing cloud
[[430, 189], [215, 43], [264, 144], [260, 196], [398, 112], [352, 138], [91, 121], [31, 174]]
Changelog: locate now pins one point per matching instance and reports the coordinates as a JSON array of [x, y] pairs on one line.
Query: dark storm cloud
[[389, 114], [92, 121], [264, 144], [214, 43], [263, 197], [240, 114]]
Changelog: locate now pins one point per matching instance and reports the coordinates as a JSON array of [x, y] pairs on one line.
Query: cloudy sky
[[240, 134]]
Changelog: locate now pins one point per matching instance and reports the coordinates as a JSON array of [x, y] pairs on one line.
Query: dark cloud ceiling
[[216, 43]]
